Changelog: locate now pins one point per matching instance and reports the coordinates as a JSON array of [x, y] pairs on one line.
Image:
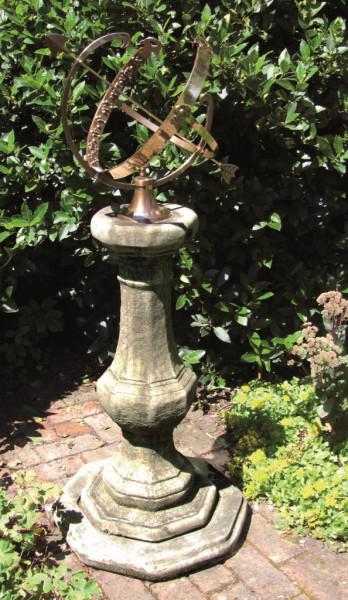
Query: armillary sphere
[[143, 206]]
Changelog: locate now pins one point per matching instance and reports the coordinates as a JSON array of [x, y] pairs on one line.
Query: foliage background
[[269, 242]]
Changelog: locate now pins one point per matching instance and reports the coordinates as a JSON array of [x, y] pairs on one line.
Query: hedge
[[269, 242]]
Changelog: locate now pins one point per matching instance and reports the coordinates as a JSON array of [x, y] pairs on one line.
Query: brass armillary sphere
[[143, 206]]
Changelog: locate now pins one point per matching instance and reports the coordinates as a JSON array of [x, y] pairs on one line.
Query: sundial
[[143, 206], [147, 510]]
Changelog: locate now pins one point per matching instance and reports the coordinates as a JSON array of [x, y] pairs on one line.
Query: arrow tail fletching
[[56, 42]]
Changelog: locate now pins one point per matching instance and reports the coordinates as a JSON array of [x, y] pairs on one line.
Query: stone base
[[150, 559]]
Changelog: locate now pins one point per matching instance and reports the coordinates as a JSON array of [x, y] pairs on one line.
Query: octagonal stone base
[[202, 529]]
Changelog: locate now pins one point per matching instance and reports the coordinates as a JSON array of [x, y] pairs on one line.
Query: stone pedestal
[[148, 511]]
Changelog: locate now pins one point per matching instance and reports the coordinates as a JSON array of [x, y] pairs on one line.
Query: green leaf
[[185, 279], [77, 91], [39, 153], [206, 14], [39, 213], [181, 301], [338, 144], [324, 145], [286, 84], [14, 223], [284, 60], [236, 49], [26, 212], [207, 287], [66, 230], [275, 222], [291, 113], [222, 334], [250, 357], [193, 357], [305, 50], [10, 138], [265, 296], [260, 225], [330, 43], [301, 72], [70, 21], [37, 440], [8, 555], [267, 263], [255, 341], [8, 306], [4, 235], [223, 307], [40, 123], [242, 320], [326, 408]]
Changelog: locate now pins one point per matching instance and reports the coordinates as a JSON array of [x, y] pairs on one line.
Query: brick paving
[[269, 566]]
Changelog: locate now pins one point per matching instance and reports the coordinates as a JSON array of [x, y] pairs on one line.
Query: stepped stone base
[[201, 529]]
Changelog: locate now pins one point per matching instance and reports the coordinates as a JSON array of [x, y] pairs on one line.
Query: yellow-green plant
[[281, 451]]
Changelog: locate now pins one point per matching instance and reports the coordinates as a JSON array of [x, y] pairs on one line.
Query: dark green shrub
[[269, 243]]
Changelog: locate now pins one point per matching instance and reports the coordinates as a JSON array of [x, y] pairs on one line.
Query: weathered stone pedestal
[[148, 511]]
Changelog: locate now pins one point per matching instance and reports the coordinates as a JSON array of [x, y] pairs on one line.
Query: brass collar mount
[[143, 206]]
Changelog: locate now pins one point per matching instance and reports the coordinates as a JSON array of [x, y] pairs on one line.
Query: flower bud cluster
[[320, 351], [335, 307]]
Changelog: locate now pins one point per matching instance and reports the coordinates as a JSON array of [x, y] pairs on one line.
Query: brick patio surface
[[269, 566]]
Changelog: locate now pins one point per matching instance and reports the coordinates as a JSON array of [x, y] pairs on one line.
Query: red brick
[[21, 457], [218, 458], [72, 429], [322, 574], [266, 511], [177, 589], [100, 453], [59, 469], [73, 562], [238, 591], [62, 482], [44, 432], [75, 411], [57, 405], [105, 427], [212, 579], [271, 543], [68, 447], [119, 587], [260, 575], [192, 440], [46, 435], [206, 422], [82, 394]]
